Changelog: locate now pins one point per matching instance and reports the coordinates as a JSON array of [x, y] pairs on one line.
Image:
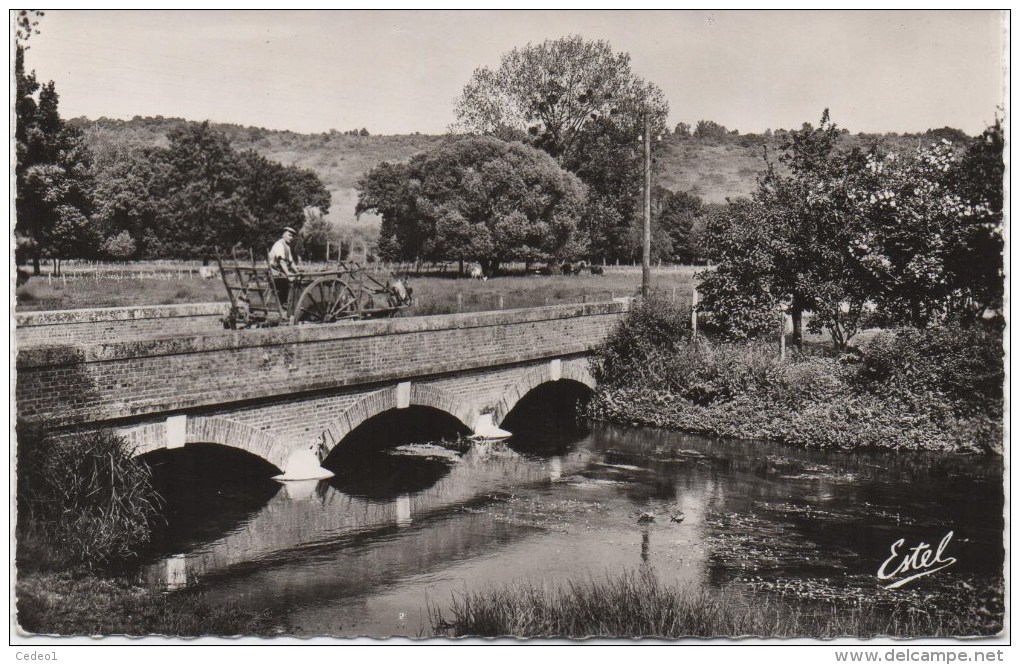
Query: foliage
[[674, 215], [579, 101], [739, 297], [709, 129], [53, 172], [82, 499], [120, 246], [89, 604], [198, 193], [834, 229], [478, 199], [317, 235], [956, 365], [938, 389], [638, 604], [653, 327]]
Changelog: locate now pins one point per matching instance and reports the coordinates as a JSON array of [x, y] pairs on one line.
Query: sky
[[398, 72]]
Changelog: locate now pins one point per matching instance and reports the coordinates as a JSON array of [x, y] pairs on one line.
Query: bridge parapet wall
[[95, 326], [73, 384]]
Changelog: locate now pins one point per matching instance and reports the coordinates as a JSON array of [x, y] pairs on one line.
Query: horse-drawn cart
[[344, 292]]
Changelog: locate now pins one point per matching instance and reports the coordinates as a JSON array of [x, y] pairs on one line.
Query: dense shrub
[[938, 389], [653, 329], [958, 366], [82, 499]]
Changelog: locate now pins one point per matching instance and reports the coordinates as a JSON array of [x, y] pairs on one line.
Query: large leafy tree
[[579, 101], [199, 194], [476, 198], [917, 235], [673, 216], [53, 174]]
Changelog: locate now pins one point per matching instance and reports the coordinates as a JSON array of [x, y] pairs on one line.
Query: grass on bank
[[51, 603], [637, 605]]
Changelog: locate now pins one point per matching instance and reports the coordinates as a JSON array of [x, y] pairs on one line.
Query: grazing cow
[[581, 266], [476, 273], [208, 272], [597, 270], [567, 269]]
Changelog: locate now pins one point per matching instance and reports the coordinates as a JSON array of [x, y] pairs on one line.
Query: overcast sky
[[400, 71]]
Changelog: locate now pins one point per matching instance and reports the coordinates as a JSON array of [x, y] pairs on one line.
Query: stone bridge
[[290, 395]]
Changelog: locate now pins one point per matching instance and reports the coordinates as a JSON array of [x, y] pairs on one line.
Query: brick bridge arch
[[395, 397], [219, 431], [536, 377]]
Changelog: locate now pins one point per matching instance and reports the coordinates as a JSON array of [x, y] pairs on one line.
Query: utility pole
[[646, 245]]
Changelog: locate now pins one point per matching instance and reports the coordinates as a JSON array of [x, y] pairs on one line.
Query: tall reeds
[[83, 500], [636, 604]]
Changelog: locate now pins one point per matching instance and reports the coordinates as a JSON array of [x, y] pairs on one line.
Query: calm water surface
[[368, 551]]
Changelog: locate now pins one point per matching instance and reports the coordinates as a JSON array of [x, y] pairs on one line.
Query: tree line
[[861, 236], [556, 131], [180, 201]]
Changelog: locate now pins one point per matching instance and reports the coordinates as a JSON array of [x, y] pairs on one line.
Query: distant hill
[[715, 168]]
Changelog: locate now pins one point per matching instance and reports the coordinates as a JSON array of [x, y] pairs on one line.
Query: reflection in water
[[394, 527]]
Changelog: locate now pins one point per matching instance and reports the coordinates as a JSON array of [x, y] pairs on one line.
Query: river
[[402, 529]]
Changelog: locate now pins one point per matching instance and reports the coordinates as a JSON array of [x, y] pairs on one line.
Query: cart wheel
[[325, 300]]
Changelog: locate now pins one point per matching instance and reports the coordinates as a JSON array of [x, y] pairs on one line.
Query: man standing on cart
[[282, 267]]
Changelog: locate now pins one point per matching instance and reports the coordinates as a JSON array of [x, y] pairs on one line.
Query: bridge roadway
[[290, 395]]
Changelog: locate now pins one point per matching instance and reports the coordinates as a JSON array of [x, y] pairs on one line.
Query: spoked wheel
[[326, 300]]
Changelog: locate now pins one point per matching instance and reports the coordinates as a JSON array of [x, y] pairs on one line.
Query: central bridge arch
[[399, 396]]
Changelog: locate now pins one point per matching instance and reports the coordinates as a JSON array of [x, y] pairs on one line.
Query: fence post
[[694, 310], [460, 302], [501, 301], [782, 336]]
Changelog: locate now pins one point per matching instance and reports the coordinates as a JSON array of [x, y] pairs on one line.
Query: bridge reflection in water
[[320, 521]]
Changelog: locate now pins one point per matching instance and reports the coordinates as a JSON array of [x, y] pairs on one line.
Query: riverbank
[[637, 605], [937, 389], [66, 603]]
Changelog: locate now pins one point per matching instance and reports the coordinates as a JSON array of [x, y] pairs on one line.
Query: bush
[[652, 327], [961, 367], [82, 499], [938, 389], [119, 247]]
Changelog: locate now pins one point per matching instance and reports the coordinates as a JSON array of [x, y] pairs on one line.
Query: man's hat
[[287, 228]]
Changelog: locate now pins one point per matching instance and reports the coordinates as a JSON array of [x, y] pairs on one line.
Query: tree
[[675, 214], [740, 294], [933, 240], [580, 102], [479, 199], [977, 259], [710, 130], [198, 194], [316, 235], [917, 235], [791, 245], [53, 173], [120, 247]]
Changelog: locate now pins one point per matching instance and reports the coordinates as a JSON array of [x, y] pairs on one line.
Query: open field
[[168, 284]]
